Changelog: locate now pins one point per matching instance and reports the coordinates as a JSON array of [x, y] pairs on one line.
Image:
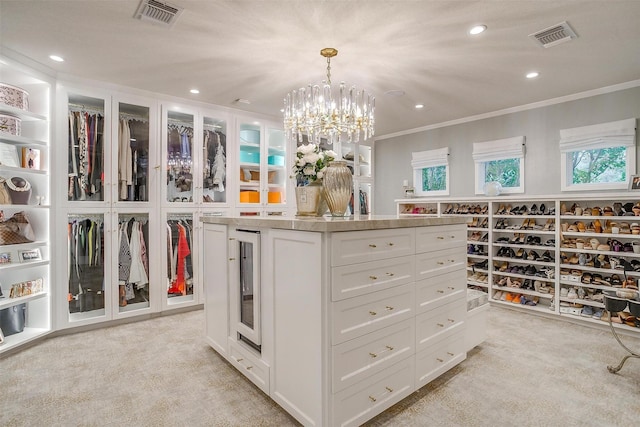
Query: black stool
[[614, 304]]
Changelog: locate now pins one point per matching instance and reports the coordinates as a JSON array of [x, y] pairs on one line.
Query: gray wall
[[541, 127]]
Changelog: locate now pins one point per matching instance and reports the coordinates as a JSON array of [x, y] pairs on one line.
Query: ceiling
[[260, 50]]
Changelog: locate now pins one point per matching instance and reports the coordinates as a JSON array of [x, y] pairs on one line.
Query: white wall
[[541, 127]]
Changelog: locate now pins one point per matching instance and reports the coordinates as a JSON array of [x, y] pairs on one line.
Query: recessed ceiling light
[[532, 75], [56, 58], [477, 29], [419, 106], [194, 91]]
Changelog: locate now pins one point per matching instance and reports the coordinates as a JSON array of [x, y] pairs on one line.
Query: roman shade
[[430, 158], [499, 149], [621, 133]]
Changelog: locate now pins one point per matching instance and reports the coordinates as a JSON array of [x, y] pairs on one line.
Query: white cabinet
[[354, 315], [262, 168], [25, 271]]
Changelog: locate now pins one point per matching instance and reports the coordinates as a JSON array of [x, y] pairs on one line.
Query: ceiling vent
[[158, 12], [554, 35]]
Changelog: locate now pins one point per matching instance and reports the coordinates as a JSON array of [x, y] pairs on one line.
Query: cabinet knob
[[373, 399], [440, 291], [440, 325], [389, 389], [371, 245], [439, 360], [373, 355], [440, 238], [451, 320], [390, 244], [389, 308], [249, 368], [390, 274], [449, 353], [451, 287], [389, 347], [373, 313], [440, 263], [232, 259], [373, 277], [239, 360]]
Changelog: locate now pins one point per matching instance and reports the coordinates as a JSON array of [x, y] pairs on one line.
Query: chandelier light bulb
[[323, 113]]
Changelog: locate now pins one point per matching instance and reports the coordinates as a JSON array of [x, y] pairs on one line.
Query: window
[[431, 172], [501, 160], [598, 157]]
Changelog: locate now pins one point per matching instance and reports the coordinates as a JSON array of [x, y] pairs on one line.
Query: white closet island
[[336, 319]]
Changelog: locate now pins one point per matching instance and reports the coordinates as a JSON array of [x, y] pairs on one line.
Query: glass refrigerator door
[[180, 157], [86, 149], [214, 160], [132, 153]]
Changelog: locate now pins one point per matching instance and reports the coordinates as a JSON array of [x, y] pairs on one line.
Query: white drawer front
[[439, 358], [435, 291], [249, 365], [358, 279], [370, 245], [354, 317], [431, 239], [443, 321], [436, 263], [361, 357], [361, 402]]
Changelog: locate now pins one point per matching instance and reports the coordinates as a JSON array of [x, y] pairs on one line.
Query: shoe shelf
[[524, 261], [582, 302], [600, 270], [522, 291], [523, 276], [542, 308]]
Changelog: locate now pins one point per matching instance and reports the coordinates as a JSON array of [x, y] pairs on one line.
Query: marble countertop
[[332, 224]]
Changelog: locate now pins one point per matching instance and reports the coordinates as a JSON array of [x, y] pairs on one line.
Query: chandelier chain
[[329, 70]]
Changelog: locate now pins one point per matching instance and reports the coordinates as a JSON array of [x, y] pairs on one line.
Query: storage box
[[14, 96], [271, 176], [249, 157], [275, 197], [250, 136], [249, 197], [275, 160], [10, 124]]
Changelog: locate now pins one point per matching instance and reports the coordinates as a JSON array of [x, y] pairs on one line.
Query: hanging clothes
[[85, 156], [85, 273], [125, 162], [180, 268]]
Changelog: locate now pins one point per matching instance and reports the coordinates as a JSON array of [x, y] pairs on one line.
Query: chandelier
[[320, 114]]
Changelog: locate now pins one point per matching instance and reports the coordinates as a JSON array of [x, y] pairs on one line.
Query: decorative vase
[[337, 187], [308, 200]]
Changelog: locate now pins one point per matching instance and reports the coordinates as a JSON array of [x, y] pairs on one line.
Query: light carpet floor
[[531, 371]]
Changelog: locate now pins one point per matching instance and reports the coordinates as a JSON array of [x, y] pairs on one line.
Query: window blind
[[603, 135], [430, 158], [499, 149]]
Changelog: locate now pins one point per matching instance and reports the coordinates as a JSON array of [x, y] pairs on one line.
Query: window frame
[[427, 159], [501, 149], [620, 133]]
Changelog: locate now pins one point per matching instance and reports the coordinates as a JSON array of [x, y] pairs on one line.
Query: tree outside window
[[506, 172], [603, 165], [434, 178]]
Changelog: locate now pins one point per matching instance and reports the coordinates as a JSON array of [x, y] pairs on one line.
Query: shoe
[[572, 294], [597, 313], [587, 311]]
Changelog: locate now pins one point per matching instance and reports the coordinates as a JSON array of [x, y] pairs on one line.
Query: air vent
[[158, 12], [554, 35]]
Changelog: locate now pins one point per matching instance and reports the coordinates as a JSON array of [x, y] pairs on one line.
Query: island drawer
[[361, 357], [440, 322], [249, 365], [436, 263], [432, 239], [438, 358], [435, 291], [370, 245], [358, 279], [364, 400], [354, 317]]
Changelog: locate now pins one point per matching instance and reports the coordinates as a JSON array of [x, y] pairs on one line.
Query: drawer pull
[[373, 399], [440, 263], [451, 287], [449, 353], [440, 238], [389, 347], [390, 274], [373, 313], [373, 355], [440, 324], [390, 244], [371, 245], [232, 238], [451, 320], [440, 291], [239, 360], [452, 260], [373, 277], [453, 237], [389, 308], [439, 360], [389, 389], [232, 259], [249, 368]]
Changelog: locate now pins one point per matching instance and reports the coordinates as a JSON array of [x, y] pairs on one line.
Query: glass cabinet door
[[180, 265], [133, 262], [249, 163], [86, 271], [86, 149], [276, 166], [132, 153], [214, 160], [180, 157]]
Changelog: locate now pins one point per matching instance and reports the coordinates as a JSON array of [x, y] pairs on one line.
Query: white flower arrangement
[[311, 163]]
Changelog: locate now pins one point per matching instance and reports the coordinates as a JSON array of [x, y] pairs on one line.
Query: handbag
[[12, 319], [5, 198], [16, 229]]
